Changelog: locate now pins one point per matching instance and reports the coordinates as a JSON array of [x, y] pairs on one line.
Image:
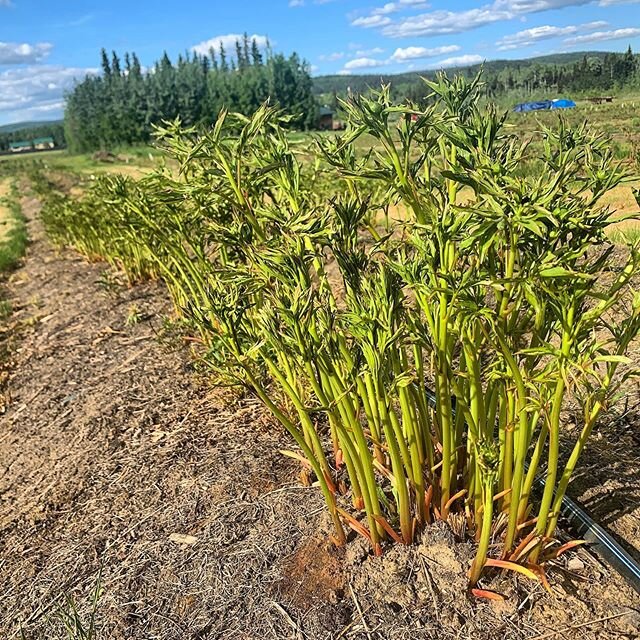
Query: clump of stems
[[496, 290]]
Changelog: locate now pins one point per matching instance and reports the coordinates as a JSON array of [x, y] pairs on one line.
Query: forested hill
[[21, 126], [578, 71]]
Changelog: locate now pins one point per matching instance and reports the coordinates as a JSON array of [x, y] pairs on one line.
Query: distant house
[[22, 145], [325, 119], [43, 143], [600, 99], [39, 144]]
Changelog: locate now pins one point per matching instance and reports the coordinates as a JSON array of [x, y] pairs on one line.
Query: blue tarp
[[563, 103], [533, 106], [545, 105]]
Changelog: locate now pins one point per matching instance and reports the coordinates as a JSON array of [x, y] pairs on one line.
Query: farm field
[[132, 161], [136, 468], [620, 121], [216, 374]]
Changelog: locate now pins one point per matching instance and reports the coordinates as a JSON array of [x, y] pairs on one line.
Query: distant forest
[[581, 73], [120, 105]]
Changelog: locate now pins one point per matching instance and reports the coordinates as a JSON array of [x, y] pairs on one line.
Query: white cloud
[[445, 21], [457, 61], [228, 41], [14, 53], [528, 37], [600, 36], [369, 22], [404, 55], [34, 92], [5, 3], [607, 3], [393, 7], [416, 53], [390, 7], [379, 16], [536, 6], [363, 63]]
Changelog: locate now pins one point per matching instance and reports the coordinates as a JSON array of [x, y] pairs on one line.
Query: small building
[[39, 144], [43, 143], [325, 119], [22, 145]]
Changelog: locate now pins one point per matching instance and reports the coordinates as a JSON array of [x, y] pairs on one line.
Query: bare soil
[[121, 466], [607, 481]]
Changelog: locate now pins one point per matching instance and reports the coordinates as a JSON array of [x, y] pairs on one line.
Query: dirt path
[[109, 448], [114, 454]]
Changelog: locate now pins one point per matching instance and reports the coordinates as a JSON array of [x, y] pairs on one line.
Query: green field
[[620, 121], [13, 234]]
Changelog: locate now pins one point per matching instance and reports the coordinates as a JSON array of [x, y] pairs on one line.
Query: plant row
[[409, 254]]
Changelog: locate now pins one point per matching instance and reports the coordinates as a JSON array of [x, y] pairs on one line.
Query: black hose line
[[603, 543]]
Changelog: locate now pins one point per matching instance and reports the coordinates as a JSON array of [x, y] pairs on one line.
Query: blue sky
[[46, 44]]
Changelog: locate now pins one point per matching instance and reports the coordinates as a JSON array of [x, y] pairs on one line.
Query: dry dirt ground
[[122, 468]]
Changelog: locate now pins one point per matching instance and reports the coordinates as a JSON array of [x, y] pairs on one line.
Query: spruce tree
[[120, 108]]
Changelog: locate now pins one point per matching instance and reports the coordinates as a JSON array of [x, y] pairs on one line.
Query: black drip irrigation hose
[[603, 543]]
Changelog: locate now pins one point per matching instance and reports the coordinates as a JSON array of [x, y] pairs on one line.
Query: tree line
[[120, 105], [545, 77], [589, 75]]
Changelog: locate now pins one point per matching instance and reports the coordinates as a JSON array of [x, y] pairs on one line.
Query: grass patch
[[13, 243], [134, 160], [73, 619], [626, 235], [5, 309], [77, 626], [13, 231]]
